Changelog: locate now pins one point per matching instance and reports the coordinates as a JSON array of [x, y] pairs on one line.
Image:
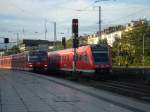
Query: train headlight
[[107, 65], [45, 65], [30, 65]]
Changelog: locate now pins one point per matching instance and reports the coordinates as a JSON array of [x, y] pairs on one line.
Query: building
[[113, 32], [110, 37], [109, 34], [93, 39], [30, 44], [83, 40], [2, 53]]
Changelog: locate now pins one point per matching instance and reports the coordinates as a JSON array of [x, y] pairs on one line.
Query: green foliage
[[147, 61], [13, 50], [102, 41], [69, 43], [129, 49]]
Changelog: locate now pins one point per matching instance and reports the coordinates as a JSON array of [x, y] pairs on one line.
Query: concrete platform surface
[[29, 92]]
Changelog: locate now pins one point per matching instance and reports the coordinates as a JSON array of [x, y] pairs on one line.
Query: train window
[[86, 57], [58, 58], [65, 58], [100, 57], [62, 58], [77, 57], [80, 58]]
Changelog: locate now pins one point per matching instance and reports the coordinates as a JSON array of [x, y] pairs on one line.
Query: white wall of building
[[93, 39], [111, 37]]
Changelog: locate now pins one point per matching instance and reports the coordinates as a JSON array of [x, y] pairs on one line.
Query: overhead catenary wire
[[84, 9]]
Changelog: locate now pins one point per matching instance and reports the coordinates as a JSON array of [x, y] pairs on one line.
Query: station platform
[[22, 91]]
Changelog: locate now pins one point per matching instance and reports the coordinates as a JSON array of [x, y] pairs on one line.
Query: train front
[[102, 58], [38, 60]]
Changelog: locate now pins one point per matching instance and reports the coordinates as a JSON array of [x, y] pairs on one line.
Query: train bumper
[[102, 69]]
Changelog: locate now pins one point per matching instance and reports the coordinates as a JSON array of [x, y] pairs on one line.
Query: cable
[[128, 15], [80, 10]]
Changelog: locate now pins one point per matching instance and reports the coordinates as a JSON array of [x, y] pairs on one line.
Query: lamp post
[[55, 32], [143, 48], [100, 21], [143, 53], [17, 40]]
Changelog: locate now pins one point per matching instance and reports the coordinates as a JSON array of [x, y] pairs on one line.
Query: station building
[[30, 44]]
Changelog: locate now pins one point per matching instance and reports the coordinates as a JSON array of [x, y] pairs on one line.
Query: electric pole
[[100, 16], [75, 42], [55, 36], [143, 52], [45, 29], [17, 38], [99, 22]]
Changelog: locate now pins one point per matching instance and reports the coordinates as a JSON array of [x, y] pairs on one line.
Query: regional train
[[89, 59], [30, 61]]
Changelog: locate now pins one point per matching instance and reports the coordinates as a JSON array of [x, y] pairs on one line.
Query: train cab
[[37, 60], [102, 60], [90, 59]]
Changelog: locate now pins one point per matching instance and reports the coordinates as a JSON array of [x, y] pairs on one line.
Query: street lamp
[[55, 35], [100, 16], [143, 52], [143, 59]]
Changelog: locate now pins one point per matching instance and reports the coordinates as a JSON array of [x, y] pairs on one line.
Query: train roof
[[68, 50], [94, 46]]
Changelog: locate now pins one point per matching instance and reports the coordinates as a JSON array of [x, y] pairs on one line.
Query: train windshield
[[37, 56], [100, 54]]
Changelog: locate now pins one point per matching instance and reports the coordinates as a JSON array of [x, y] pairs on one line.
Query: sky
[[28, 17]]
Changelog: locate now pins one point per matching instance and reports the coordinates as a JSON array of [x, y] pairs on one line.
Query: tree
[[128, 49], [13, 50]]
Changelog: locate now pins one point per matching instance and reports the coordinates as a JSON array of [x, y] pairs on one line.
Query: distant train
[[33, 60], [89, 59]]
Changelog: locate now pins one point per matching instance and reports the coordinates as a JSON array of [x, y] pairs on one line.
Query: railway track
[[123, 87], [137, 91], [91, 93]]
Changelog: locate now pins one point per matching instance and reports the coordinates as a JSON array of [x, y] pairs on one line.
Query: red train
[[5, 62], [33, 60], [90, 59]]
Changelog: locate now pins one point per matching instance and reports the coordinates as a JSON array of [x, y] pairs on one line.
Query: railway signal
[[64, 42], [6, 40], [75, 41], [75, 33], [75, 27]]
